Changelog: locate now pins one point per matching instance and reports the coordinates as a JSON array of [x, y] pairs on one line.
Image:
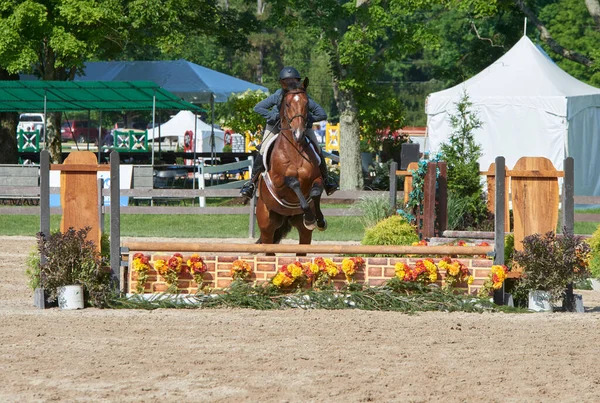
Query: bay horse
[[289, 192]]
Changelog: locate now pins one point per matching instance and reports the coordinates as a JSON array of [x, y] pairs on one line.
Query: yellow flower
[[331, 268], [433, 277], [453, 269], [295, 271], [400, 269], [470, 280], [278, 279], [314, 268], [348, 266], [161, 267]]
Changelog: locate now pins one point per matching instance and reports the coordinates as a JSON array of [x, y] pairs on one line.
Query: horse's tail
[[282, 231]]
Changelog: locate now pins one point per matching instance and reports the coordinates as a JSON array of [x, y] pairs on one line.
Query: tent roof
[[28, 96], [524, 73], [187, 80], [182, 122]]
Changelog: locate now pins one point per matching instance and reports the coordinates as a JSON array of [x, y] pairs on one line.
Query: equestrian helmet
[[289, 72]]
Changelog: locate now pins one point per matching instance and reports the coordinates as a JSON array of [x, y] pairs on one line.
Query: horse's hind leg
[[315, 194], [309, 217]]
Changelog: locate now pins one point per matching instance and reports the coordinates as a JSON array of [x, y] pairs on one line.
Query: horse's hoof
[[322, 227], [310, 226]]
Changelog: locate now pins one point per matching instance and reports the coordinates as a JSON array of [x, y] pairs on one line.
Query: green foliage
[[462, 153], [238, 113], [550, 263], [394, 230], [509, 248], [594, 243], [32, 270], [70, 259], [374, 209], [392, 297]]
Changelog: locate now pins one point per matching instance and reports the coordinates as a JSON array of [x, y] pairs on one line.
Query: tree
[[358, 40], [238, 113]]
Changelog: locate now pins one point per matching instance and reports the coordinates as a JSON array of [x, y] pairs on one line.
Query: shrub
[[374, 209], [550, 263], [594, 243], [394, 230], [33, 269], [71, 259]]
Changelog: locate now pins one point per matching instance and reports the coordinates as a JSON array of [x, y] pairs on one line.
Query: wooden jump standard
[[312, 249]]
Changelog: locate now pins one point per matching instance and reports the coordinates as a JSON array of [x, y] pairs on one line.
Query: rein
[[289, 121]]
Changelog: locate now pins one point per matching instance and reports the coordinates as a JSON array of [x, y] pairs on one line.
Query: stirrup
[[247, 190]]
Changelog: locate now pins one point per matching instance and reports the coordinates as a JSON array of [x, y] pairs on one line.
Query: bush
[[70, 259], [394, 230], [594, 243], [374, 209], [550, 263]]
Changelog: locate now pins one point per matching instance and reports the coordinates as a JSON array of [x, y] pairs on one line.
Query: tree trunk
[[8, 129], [53, 137], [350, 164]]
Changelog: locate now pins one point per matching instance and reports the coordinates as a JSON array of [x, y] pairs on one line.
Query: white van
[[29, 122]]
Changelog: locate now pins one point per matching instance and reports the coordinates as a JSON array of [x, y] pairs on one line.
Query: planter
[[539, 301], [70, 297], [40, 299]]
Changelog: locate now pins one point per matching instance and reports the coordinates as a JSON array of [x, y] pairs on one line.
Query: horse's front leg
[[309, 217], [315, 194], [304, 234]]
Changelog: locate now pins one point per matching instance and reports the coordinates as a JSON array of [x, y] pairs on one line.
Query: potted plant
[[550, 263], [72, 270]]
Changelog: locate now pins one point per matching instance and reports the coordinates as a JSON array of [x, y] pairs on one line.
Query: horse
[[289, 192]]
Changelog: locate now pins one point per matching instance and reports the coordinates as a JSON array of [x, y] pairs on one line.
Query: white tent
[[184, 121], [528, 107]]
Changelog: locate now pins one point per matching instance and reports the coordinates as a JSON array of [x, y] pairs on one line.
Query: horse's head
[[294, 109]]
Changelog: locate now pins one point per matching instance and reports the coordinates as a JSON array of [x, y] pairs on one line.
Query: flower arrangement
[[197, 268], [170, 269], [425, 271], [141, 265], [494, 280], [292, 274], [240, 269], [350, 265], [420, 243], [456, 272], [324, 270]]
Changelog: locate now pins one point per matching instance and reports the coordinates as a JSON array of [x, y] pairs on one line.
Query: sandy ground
[[96, 355]]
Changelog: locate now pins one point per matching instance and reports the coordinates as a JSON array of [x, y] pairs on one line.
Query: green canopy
[[58, 96]]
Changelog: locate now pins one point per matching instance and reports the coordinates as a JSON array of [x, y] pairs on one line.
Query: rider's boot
[[328, 183], [247, 191]]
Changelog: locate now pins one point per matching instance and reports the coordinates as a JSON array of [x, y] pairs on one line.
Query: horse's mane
[[293, 85]]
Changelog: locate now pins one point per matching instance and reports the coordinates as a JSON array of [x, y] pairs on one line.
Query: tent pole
[[46, 131], [195, 162], [99, 136], [153, 123], [212, 129]]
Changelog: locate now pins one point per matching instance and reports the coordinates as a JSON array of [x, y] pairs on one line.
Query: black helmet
[[289, 72]]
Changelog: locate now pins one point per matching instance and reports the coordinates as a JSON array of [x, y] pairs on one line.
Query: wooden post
[[252, 215], [408, 180], [393, 187], [568, 219], [499, 228], [442, 199], [428, 230], [45, 193], [115, 220]]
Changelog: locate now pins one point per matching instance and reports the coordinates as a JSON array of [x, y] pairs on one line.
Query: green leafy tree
[[238, 113], [462, 153]]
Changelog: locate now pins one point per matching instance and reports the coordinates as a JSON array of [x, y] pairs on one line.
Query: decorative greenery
[[594, 243], [70, 259], [550, 263], [456, 272], [373, 208], [396, 295], [509, 248], [33, 269], [240, 269], [394, 230], [141, 265], [169, 269], [197, 268], [494, 281], [462, 153]]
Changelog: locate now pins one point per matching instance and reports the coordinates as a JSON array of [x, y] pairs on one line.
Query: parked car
[[81, 131], [29, 122]]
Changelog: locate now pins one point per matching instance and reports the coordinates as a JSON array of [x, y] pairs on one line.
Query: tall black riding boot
[[247, 190], [328, 183]]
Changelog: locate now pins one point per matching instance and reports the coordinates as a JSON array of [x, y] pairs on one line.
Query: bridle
[[290, 120]]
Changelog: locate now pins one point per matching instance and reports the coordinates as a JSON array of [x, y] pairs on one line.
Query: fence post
[[115, 220], [442, 196], [393, 186], [101, 205], [428, 230], [568, 219], [45, 193], [499, 218], [252, 215]]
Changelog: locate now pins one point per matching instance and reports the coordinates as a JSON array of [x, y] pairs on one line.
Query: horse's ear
[[305, 84]]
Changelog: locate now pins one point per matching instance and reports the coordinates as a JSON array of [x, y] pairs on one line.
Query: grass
[[186, 226]]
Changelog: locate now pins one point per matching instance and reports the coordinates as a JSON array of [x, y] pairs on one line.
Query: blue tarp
[[191, 82]]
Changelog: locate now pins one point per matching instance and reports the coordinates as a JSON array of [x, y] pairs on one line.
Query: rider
[[269, 109]]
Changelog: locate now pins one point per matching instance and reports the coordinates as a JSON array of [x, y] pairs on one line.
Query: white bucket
[[70, 297], [539, 301]]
